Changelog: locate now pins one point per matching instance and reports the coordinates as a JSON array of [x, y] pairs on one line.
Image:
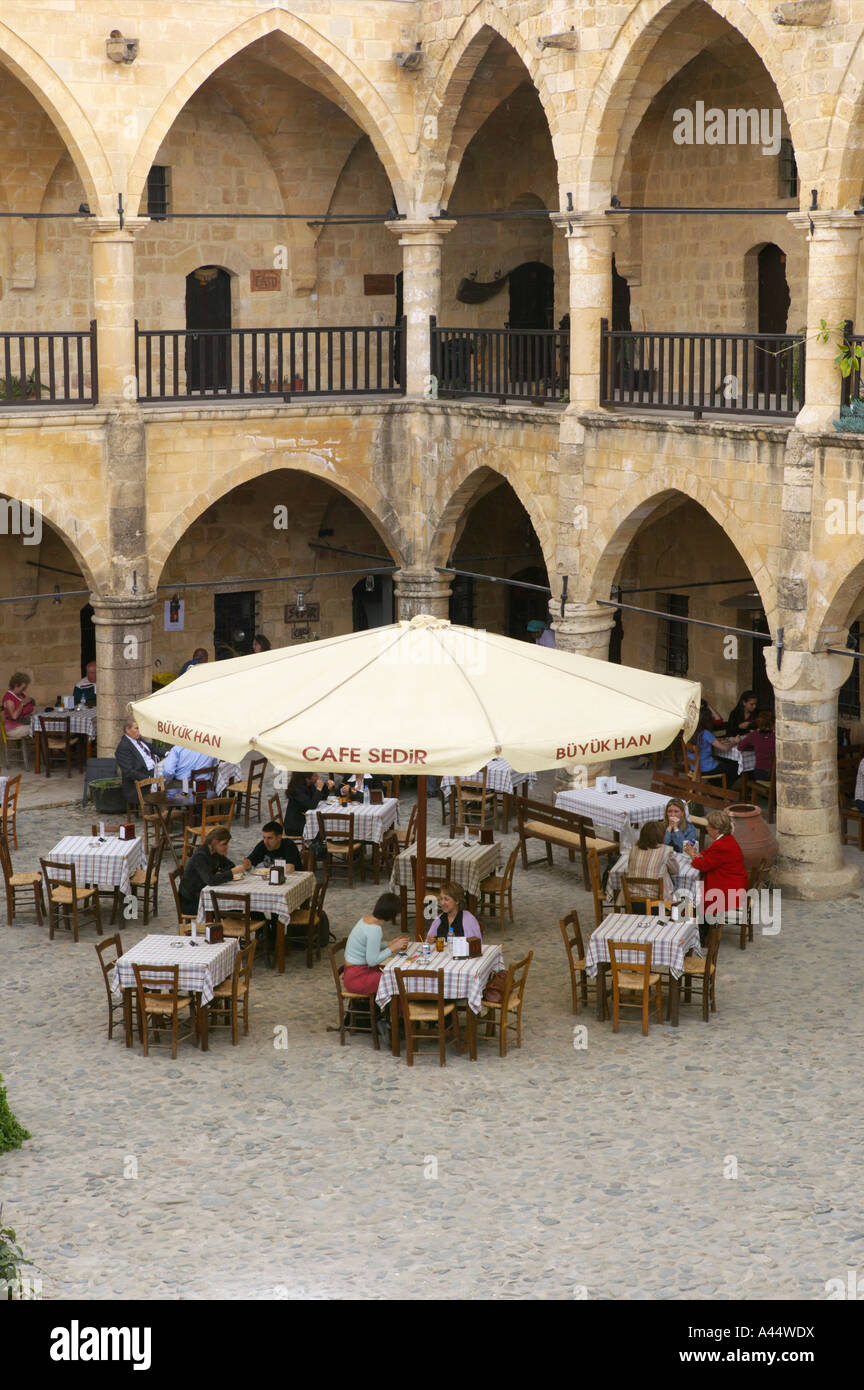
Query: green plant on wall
[[12, 1135], [12, 1257]]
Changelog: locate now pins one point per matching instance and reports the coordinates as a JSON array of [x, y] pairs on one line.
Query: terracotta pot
[[753, 833]]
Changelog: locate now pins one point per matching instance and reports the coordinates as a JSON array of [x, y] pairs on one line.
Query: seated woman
[[453, 916], [650, 857], [723, 869], [353, 786], [712, 749], [208, 867], [364, 950], [16, 706], [742, 720], [304, 793], [763, 743], [678, 828]]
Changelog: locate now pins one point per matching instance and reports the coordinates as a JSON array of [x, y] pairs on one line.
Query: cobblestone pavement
[[310, 1170]]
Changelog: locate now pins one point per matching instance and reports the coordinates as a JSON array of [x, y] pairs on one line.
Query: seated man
[[85, 690], [273, 845], [185, 762], [134, 760]]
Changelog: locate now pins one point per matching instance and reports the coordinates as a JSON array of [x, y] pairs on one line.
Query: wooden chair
[[638, 890], [337, 831], [232, 993], [600, 903], [693, 766], [351, 1004], [10, 807], [274, 809], [496, 892], [509, 1011], [67, 900], [160, 1001], [58, 745], [234, 913], [765, 791], [473, 803], [438, 872], [307, 921], [115, 1001], [408, 836], [251, 789], [755, 879], [575, 959], [702, 971], [638, 978], [22, 882], [8, 744], [151, 818], [419, 1008], [146, 881], [184, 919], [215, 810]]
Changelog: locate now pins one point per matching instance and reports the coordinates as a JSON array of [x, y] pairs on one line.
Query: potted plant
[[107, 795]]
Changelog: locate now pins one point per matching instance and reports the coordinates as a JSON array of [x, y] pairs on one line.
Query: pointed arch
[[842, 173], [72, 124], [477, 477], [359, 98]]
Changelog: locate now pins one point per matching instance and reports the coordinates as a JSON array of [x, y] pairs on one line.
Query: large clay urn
[[753, 833]]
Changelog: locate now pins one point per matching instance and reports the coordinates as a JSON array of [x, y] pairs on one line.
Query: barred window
[[849, 698], [158, 191], [673, 637], [788, 170]]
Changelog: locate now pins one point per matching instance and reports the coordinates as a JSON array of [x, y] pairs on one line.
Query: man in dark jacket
[[208, 867], [273, 845], [134, 760]]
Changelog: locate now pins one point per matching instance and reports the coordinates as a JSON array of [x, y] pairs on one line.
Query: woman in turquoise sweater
[[365, 951]]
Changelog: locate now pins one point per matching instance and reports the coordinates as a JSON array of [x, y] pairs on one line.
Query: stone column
[[113, 267], [833, 239], [124, 660], [590, 237], [421, 243], [583, 629], [810, 856], [421, 590]]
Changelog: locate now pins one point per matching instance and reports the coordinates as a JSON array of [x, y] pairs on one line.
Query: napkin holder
[[606, 784], [475, 946], [276, 875], [376, 797], [487, 835], [127, 832], [461, 947], [201, 789], [213, 933]]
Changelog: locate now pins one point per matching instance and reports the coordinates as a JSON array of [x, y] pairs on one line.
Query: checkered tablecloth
[[80, 721], [469, 865], [745, 759], [202, 967], [686, 876], [3, 781], [465, 978], [225, 774], [500, 777], [370, 822], [622, 813], [269, 898], [109, 865], [670, 941]]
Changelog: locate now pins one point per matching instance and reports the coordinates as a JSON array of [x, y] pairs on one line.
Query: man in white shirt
[[184, 762], [134, 760]]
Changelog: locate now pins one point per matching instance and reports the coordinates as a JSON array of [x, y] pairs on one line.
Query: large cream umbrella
[[420, 697]]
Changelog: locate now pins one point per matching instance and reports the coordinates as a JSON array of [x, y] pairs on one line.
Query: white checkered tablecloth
[[465, 978], [80, 721], [469, 864], [686, 877], [3, 781], [281, 899], [670, 941], [745, 759], [370, 822], [225, 774], [500, 777], [109, 865], [202, 967], [622, 813]]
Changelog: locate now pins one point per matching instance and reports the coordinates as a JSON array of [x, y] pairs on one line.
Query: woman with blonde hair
[[678, 829]]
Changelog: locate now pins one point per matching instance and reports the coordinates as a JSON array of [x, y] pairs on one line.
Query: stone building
[[261, 207]]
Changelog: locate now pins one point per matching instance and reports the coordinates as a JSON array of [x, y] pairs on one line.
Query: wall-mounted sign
[[265, 280], [174, 611], [310, 613], [379, 284]]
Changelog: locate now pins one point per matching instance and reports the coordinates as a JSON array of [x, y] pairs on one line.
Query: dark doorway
[[620, 302], [773, 301], [372, 602], [398, 345], [532, 296], [525, 604], [208, 324], [462, 601], [761, 684], [233, 624], [616, 636], [88, 636]]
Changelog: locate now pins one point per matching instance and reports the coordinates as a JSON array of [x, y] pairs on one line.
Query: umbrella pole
[[419, 919]]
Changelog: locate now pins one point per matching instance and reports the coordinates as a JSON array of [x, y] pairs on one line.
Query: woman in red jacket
[[724, 872]]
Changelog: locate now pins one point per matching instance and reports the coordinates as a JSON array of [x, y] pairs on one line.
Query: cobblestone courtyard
[[304, 1171]]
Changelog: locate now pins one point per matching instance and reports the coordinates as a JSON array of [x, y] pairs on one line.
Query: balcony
[[39, 369], [501, 363]]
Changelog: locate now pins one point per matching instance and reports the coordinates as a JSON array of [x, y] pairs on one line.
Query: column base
[[817, 419], [805, 883]]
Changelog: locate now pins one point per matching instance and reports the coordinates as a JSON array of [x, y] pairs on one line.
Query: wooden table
[[81, 721], [670, 943], [464, 978], [277, 900], [163, 803], [469, 865], [202, 968]]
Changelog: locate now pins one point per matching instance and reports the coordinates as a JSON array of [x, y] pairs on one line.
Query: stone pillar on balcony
[[833, 243], [421, 243], [590, 237], [810, 856], [421, 590], [124, 660], [113, 269], [584, 628]]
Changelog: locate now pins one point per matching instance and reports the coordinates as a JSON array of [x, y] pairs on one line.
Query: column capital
[[580, 224], [807, 677], [420, 231], [109, 229], [108, 608], [419, 589], [828, 221], [583, 626]]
